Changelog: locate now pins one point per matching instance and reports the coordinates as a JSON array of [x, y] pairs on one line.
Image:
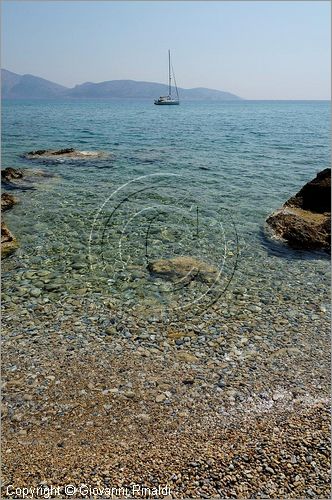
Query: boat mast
[[169, 74]]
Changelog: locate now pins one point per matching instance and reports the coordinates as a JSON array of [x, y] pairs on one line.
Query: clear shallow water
[[198, 179]]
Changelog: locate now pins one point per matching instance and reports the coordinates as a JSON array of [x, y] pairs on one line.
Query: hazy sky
[[258, 50]]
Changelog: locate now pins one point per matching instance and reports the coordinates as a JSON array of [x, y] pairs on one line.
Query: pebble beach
[[113, 377]]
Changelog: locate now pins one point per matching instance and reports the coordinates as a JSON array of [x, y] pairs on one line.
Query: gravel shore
[[132, 400]]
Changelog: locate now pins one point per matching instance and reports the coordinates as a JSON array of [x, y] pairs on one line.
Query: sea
[[195, 180]]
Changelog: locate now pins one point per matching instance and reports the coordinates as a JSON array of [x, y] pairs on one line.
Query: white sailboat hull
[[170, 102]]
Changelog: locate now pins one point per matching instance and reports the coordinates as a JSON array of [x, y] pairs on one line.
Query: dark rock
[[12, 178], [9, 173], [326, 226], [47, 152], [7, 201], [26, 179], [304, 221], [188, 381], [315, 195], [8, 241], [39, 152], [62, 153]]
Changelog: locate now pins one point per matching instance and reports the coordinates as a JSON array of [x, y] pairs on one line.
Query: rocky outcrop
[[62, 154], [9, 174], [184, 269], [8, 241], [13, 178], [304, 221], [7, 201], [315, 196], [299, 230]]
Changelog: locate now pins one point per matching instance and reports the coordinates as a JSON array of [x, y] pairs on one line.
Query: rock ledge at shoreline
[[8, 241], [16, 179], [7, 201], [304, 221]]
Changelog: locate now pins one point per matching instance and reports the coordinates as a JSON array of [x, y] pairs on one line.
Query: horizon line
[[141, 81]]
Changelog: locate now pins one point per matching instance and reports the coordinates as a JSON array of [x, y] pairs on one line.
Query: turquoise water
[[197, 179]]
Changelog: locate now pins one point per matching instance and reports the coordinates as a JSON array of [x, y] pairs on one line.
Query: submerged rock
[[9, 174], [16, 179], [62, 153], [8, 241], [184, 268], [7, 201], [13, 178], [304, 221]]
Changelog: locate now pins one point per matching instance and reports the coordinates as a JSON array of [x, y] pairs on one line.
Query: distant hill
[[149, 90], [14, 86]]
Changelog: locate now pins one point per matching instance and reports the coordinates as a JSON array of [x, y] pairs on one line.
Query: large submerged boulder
[[304, 221], [51, 154], [183, 268]]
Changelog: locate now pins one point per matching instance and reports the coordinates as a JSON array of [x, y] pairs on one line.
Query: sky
[[257, 50]]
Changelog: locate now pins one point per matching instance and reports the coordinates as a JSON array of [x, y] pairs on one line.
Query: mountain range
[[14, 86]]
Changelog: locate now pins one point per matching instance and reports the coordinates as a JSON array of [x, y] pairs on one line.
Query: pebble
[[187, 357], [143, 417], [53, 286], [115, 390], [78, 265], [254, 308], [111, 330], [129, 394]]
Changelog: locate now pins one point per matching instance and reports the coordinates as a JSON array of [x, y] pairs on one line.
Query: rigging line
[[176, 88]]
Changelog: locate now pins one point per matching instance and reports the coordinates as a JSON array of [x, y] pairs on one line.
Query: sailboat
[[168, 99]]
